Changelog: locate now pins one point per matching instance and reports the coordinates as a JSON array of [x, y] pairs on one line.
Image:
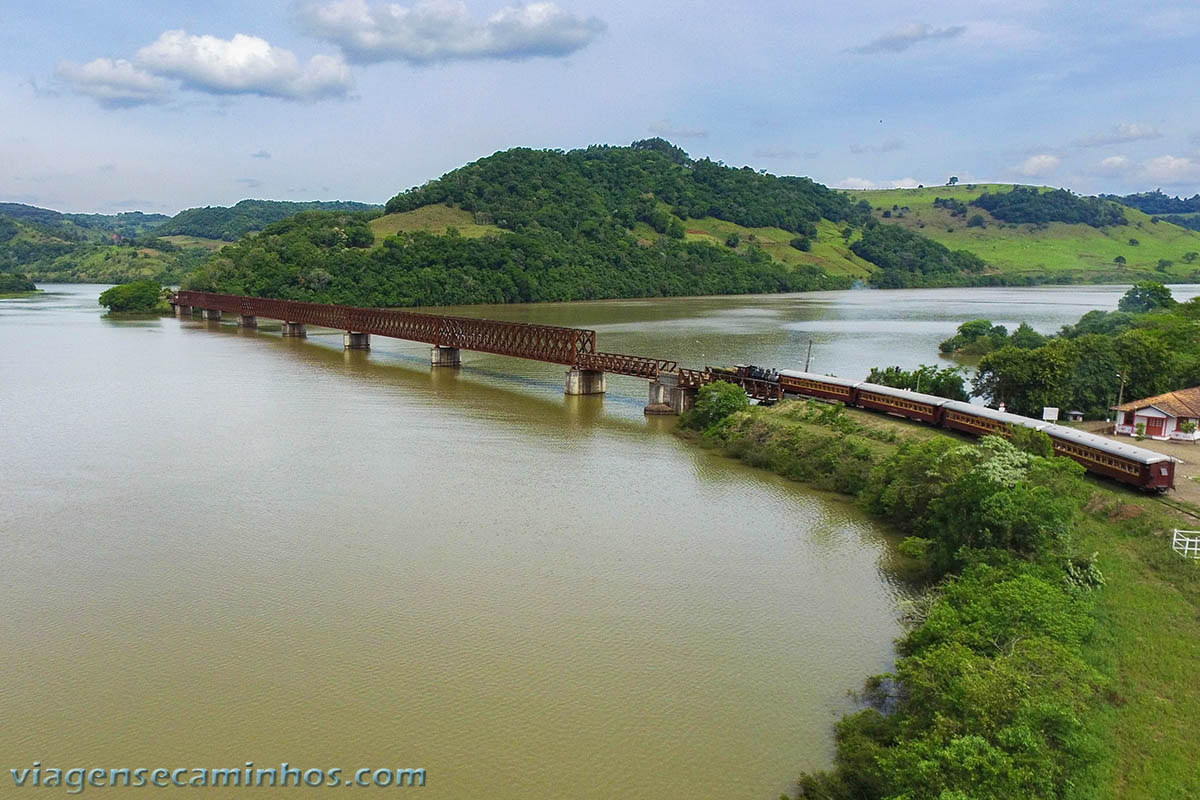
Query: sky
[[161, 106]]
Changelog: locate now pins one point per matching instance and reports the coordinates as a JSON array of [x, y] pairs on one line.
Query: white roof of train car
[[998, 416], [1106, 445], [931, 399], [812, 376]]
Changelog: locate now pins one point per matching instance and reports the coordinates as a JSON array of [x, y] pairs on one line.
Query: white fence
[[1187, 546]]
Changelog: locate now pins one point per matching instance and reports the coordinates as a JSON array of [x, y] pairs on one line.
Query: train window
[[1162, 470]]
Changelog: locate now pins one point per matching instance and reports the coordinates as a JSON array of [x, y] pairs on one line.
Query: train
[[1126, 463]]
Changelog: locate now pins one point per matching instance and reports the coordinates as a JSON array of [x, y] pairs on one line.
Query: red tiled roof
[[1183, 403]]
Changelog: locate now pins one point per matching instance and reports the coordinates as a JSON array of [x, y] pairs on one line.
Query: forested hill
[[645, 220], [606, 186], [81, 227], [232, 223]]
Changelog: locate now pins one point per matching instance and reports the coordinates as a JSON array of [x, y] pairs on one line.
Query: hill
[[531, 225], [53, 246], [1031, 245], [231, 223]]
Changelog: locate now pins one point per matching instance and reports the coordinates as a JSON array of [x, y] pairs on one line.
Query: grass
[[829, 250], [1148, 634], [431, 219], [195, 241], [1074, 252]]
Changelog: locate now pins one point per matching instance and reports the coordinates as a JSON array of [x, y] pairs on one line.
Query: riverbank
[[1124, 653]]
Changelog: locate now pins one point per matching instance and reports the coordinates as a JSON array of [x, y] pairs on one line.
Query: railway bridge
[[672, 388]]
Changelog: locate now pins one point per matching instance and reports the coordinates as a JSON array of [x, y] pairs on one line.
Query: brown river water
[[222, 546]]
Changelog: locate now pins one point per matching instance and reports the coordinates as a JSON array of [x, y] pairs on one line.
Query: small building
[[1174, 415], [1075, 416]]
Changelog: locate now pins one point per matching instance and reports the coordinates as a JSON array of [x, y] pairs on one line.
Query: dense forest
[[15, 284], [524, 189], [908, 259], [1157, 203], [322, 257], [232, 223], [1149, 345], [1028, 204]]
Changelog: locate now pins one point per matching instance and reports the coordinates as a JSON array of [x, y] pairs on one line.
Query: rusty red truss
[[618, 364], [537, 342]]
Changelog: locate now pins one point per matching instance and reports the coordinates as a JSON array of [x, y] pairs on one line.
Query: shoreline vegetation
[[1054, 652]]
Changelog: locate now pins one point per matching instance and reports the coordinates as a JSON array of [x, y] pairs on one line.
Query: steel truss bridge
[[571, 347]]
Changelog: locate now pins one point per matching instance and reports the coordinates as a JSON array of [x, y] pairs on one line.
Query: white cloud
[[443, 30], [1172, 169], [114, 83], [1114, 165], [867, 183], [904, 37], [1121, 134], [1039, 165], [665, 128], [243, 65]]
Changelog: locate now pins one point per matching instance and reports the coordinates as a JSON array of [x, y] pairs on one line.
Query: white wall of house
[[1159, 425]]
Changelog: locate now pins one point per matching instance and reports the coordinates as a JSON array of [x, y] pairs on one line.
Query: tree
[[733, 239], [1164, 264], [927, 379], [1146, 296], [1190, 256], [140, 296], [1026, 338], [953, 181], [976, 221], [1119, 261], [715, 402]]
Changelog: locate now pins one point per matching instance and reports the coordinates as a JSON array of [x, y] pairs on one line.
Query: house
[[1174, 415]]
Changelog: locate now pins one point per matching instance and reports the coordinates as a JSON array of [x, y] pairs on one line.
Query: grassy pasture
[[195, 241], [1072, 251], [431, 219]]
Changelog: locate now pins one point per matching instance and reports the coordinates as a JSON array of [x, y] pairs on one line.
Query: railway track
[[1176, 505]]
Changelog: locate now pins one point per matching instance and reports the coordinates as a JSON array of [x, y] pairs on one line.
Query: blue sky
[[161, 106]]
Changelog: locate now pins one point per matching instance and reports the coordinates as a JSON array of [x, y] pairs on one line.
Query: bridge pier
[[296, 329], [352, 340], [183, 311], [247, 320], [445, 356], [212, 314], [668, 397], [584, 381]]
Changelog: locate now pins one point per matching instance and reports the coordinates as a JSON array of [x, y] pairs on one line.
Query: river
[[223, 546]]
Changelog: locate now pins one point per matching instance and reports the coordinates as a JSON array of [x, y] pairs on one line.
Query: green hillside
[[231, 223], [1042, 250]]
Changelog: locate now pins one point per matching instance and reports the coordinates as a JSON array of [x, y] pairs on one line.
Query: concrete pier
[[247, 320], [212, 313], [445, 357], [352, 340], [584, 381], [296, 329], [667, 397], [183, 311]]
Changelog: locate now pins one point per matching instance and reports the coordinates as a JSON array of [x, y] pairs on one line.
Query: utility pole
[[1120, 399], [808, 358]]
